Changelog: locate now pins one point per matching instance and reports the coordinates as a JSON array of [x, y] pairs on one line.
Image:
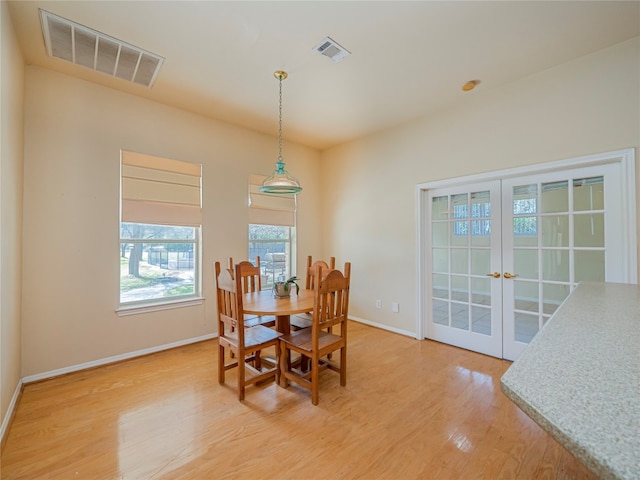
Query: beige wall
[[11, 159], [586, 106], [74, 131]]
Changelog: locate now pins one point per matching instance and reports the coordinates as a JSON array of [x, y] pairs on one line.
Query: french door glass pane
[[555, 197], [459, 288], [555, 265], [460, 316], [440, 208], [481, 320], [588, 194], [481, 291], [480, 233], [440, 259], [555, 231], [440, 234], [440, 312], [459, 260], [526, 263], [440, 288], [480, 261], [525, 231], [459, 233], [589, 230], [552, 296], [525, 199], [589, 265], [526, 326], [526, 296]]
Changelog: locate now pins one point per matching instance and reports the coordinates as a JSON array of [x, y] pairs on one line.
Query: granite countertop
[[579, 378]]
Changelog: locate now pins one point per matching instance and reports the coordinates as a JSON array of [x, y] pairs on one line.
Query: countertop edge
[[581, 453]]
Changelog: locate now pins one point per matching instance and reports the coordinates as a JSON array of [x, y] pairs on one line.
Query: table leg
[[283, 326]]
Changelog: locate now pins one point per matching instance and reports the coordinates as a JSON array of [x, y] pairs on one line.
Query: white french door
[[466, 300], [503, 254]]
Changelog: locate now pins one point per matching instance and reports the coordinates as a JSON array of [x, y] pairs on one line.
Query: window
[[159, 230], [272, 232], [273, 244]]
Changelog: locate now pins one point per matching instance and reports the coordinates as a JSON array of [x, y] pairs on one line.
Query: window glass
[[274, 244], [158, 263]]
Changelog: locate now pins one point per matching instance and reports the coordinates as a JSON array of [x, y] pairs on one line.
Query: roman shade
[[160, 191], [266, 209]]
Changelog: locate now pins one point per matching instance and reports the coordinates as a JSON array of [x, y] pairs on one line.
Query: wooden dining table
[[264, 302]]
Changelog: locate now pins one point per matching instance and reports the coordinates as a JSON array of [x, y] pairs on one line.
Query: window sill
[[146, 308]]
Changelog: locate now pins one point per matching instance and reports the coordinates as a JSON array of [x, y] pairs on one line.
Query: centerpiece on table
[[283, 289]]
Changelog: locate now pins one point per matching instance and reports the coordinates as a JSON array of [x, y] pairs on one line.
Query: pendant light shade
[[280, 182]]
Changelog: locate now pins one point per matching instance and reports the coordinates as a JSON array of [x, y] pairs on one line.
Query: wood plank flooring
[[411, 410]]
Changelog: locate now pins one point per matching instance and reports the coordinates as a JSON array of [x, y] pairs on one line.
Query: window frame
[[166, 193]]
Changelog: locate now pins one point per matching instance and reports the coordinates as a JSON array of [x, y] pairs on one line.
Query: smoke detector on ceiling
[[83, 46], [332, 49]]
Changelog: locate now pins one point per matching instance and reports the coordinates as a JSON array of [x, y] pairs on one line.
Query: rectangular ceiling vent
[[83, 46], [332, 49]]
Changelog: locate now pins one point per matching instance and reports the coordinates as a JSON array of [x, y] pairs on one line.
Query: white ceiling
[[409, 59]]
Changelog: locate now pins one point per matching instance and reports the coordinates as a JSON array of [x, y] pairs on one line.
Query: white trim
[[115, 358], [624, 157], [628, 166], [383, 327], [10, 410], [420, 280], [137, 308]]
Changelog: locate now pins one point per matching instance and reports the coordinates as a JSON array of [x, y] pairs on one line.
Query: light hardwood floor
[[411, 409]]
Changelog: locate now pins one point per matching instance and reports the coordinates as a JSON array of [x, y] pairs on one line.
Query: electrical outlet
[[395, 307], [378, 303]]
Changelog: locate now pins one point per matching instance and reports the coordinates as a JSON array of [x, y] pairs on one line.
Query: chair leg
[[278, 368], [221, 361], [315, 377], [283, 360], [241, 376], [343, 366], [304, 363]]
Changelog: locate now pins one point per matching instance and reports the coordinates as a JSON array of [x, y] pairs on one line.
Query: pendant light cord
[[280, 122]]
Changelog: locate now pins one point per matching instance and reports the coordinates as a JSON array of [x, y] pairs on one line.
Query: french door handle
[[494, 274], [510, 275]]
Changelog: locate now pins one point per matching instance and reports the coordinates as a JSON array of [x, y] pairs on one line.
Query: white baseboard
[[383, 326], [10, 411], [115, 358]]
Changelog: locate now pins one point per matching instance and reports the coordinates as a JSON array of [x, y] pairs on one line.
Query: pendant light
[[280, 182]]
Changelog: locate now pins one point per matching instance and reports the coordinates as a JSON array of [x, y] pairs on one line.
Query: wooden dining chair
[[330, 311], [311, 269], [251, 281], [245, 343], [303, 320]]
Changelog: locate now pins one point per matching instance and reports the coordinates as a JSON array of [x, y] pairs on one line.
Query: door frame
[[626, 160]]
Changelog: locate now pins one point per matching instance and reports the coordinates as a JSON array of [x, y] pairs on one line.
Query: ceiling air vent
[[332, 49], [83, 46]]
